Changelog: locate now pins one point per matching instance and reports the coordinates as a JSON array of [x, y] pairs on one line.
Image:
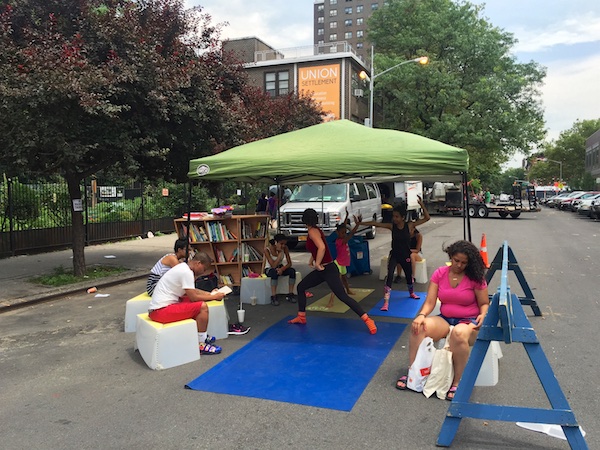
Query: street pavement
[[71, 379]]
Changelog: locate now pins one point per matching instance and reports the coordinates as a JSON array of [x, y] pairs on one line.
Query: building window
[[332, 24], [374, 6], [348, 10], [348, 35], [320, 32], [333, 37], [359, 9], [360, 33], [320, 7], [320, 42], [277, 83], [348, 22], [333, 2], [360, 21], [333, 12], [320, 19], [359, 45]]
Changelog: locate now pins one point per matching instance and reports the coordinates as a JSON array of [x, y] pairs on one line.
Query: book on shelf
[[226, 279]]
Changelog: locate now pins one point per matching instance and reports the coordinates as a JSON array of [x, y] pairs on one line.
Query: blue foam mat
[[401, 305], [327, 363]]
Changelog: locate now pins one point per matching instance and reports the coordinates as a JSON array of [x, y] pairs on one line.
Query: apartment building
[[592, 157], [344, 20], [326, 72]]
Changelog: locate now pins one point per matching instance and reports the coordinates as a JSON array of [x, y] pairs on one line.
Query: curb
[[70, 289]]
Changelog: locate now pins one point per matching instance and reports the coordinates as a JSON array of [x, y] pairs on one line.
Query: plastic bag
[[420, 369], [442, 371]]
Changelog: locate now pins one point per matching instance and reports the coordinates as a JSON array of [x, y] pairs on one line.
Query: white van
[[330, 201]]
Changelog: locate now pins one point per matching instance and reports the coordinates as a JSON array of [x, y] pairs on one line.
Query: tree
[[137, 86], [569, 149], [473, 93]]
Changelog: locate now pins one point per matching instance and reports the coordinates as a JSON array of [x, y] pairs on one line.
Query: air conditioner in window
[[358, 92]]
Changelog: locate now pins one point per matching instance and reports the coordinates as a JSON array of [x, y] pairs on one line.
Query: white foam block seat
[[133, 307], [260, 287], [421, 271], [163, 346], [488, 374], [218, 322], [383, 267], [283, 284]]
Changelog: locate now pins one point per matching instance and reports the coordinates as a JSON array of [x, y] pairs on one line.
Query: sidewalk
[[137, 255]]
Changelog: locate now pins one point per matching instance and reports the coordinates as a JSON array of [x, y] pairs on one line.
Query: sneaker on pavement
[[238, 329], [210, 340], [209, 349], [291, 298], [398, 279]]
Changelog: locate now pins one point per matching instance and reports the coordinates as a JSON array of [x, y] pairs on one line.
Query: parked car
[[551, 202], [565, 203], [595, 209], [584, 201]]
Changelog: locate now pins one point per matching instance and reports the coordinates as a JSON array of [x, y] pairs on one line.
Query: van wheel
[[515, 215], [371, 233]]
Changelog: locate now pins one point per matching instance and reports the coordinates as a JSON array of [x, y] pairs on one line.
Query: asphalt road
[[71, 380]]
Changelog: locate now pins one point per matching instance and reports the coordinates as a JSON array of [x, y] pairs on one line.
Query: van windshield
[[314, 192]]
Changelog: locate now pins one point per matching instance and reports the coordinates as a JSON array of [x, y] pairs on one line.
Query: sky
[[563, 36]]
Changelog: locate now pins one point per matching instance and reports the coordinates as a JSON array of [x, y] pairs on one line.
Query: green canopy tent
[[335, 152]]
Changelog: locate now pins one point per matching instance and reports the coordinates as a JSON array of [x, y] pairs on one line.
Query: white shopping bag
[[442, 371], [420, 369]]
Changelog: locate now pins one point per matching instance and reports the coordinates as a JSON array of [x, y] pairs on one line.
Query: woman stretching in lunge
[[325, 271], [400, 252]]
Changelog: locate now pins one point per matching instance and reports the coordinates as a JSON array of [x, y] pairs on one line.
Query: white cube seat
[[283, 284], [261, 288], [163, 346], [133, 307], [421, 272], [218, 320]]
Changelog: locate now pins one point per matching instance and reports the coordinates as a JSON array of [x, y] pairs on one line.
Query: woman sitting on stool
[[463, 293]]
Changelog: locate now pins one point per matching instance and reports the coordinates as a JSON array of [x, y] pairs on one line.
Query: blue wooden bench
[[507, 310]]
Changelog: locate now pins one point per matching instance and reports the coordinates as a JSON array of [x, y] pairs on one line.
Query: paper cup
[[253, 300], [241, 315]]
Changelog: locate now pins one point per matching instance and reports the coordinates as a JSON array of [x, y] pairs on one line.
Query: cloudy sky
[[564, 36]]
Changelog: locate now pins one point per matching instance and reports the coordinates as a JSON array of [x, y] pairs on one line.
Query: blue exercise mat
[[327, 363], [401, 305]]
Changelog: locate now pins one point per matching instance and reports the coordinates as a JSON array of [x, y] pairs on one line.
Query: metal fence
[[37, 217]]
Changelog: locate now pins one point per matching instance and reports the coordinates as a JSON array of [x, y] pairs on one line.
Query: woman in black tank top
[[400, 251]]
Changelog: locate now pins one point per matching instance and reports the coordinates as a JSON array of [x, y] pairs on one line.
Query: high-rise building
[[344, 20]]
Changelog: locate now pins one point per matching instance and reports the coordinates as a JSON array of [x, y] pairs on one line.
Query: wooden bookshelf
[[235, 243]]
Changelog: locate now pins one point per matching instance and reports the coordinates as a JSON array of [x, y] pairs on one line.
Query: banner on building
[[322, 83]]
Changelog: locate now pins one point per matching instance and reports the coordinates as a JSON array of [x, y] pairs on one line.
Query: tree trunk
[[77, 223]]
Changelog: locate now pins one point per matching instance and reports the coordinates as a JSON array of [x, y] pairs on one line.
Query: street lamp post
[[421, 60], [560, 169]]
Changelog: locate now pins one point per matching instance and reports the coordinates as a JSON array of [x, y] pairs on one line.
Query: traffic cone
[[483, 252]]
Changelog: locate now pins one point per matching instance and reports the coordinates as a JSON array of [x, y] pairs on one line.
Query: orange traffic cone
[[483, 252]]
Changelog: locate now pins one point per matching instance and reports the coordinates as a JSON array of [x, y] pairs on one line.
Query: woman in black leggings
[[325, 271], [400, 252]]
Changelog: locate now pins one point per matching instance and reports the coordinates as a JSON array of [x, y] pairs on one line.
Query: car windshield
[[314, 193]]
